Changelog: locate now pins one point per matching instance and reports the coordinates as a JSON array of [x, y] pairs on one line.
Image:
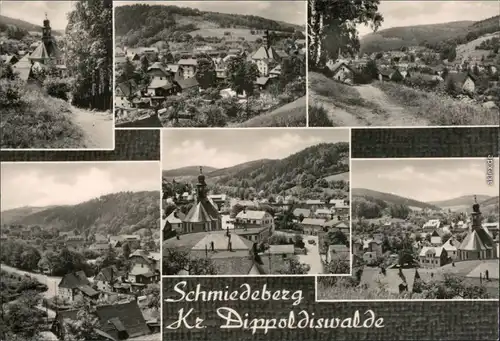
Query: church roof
[[40, 53], [265, 53], [203, 211], [477, 240]]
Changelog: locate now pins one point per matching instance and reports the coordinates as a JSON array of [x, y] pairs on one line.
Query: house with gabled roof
[[463, 81], [189, 67], [478, 244], [341, 72], [73, 284], [107, 277], [122, 321], [433, 257], [265, 58]]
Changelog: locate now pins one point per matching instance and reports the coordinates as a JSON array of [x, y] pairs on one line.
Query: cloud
[[41, 185]]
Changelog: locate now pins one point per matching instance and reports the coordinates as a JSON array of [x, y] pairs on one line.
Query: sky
[[425, 179], [34, 12], [293, 12], [69, 183], [409, 13], [222, 148]]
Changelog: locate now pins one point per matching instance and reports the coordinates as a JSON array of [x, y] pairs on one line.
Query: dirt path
[[390, 114], [339, 116], [97, 127]]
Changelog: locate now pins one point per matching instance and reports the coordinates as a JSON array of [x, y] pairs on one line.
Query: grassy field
[[290, 115], [337, 177], [36, 120], [437, 109]]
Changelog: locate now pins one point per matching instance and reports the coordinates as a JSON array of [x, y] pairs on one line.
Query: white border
[[497, 158], [284, 129], [113, 131]]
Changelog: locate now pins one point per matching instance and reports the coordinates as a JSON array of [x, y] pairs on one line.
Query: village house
[[433, 257], [115, 322], [431, 225], [265, 58], [75, 284], [312, 226], [220, 200], [323, 213], [249, 218], [463, 81], [373, 245], [254, 234], [186, 84], [337, 252], [357, 248], [173, 222], [144, 261], [75, 243], [99, 247], [124, 93], [106, 278], [189, 67], [341, 71], [437, 237], [451, 248], [339, 207], [302, 212], [369, 257], [12, 59]]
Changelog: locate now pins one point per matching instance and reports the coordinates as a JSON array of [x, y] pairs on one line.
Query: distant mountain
[[187, 171], [388, 198], [466, 200], [24, 25], [304, 169], [142, 24], [124, 212], [13, 215], [395, 38]]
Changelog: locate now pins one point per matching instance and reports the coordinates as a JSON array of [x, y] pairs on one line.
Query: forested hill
[[117, 213], [457, 32], [303, 168], [383, 199], [153, 23]]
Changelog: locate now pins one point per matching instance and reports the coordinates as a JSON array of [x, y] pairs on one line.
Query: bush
[[318, 117], [57, 88], [10, 93]]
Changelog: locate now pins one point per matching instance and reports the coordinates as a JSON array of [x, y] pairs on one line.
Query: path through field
[[97, 127], [390, 114]]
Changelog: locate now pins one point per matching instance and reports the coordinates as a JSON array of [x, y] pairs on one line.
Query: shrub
[[56, 88], [318, 117]]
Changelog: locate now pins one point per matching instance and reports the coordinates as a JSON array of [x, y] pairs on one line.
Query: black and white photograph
[[56, 75], [80, 256], [423, 229], [210, 64], [403, 63], [255, 202]]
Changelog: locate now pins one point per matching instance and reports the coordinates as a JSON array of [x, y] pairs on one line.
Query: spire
[[476, 215], [201, 186]]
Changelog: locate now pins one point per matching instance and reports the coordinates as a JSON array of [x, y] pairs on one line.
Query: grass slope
[[37, 120], [290, 115], [390, 198], [438, 110]]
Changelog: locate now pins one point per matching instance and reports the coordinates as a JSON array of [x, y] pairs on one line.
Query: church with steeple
[[47, 51], [478, 244], [204, 215]]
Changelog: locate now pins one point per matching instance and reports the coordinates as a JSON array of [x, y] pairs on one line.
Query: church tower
[[46, 31], [478, 244]]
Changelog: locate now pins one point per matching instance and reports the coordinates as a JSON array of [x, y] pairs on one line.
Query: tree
[[144, 63], [205, 74], [83, 328], [126, 250], [242, 75], [152, 292], [337, 266], [294, 267], [89, 52], [332, 26], [337, 238]]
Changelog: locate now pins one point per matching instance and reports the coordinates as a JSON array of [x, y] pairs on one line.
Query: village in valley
[[284, 209], [403, 248], [201, 65], [87, 267], [52, 94], [417, 70]]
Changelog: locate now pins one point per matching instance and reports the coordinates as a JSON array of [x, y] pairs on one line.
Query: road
[[50, 281], [97, 127], [313, 257], [390, 114]]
